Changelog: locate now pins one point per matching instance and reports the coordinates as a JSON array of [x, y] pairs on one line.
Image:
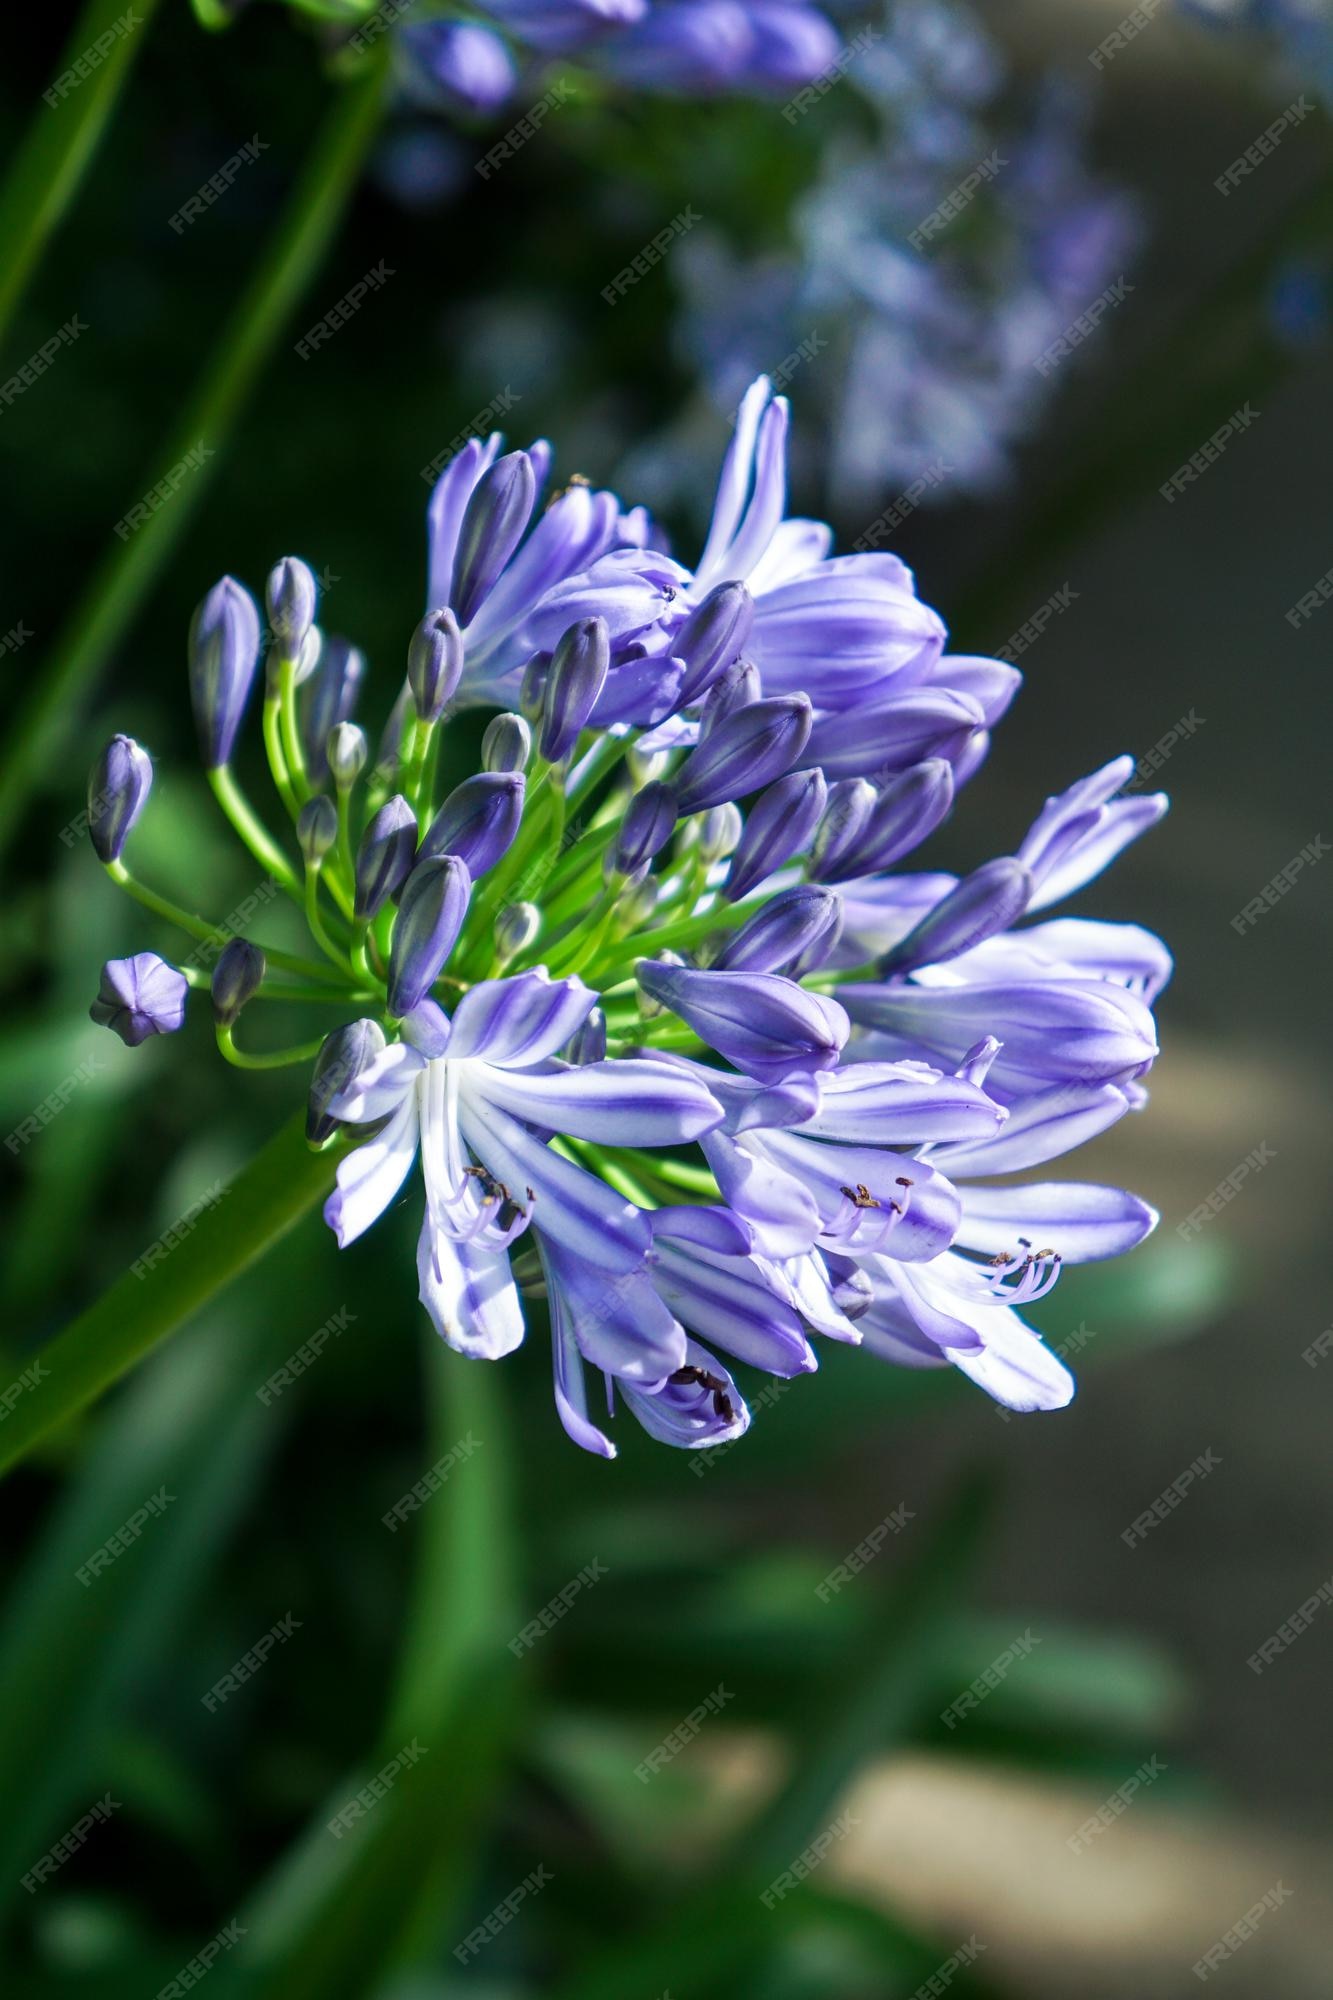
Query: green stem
[[252, 829], [61, 141], [128, 572], [689, 930], [293, 752], [276, 752], [186, 1267], [207, 933], [273, 1059]]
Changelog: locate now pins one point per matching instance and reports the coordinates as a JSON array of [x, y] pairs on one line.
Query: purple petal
[[1079, 1221], [758, 1020], [624, 1102], [516, 1022], [470, 1294]]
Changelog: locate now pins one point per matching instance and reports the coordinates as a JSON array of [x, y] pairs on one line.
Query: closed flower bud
[[332, 698], [139, 997], [988, 900], [346, 754], [342, 1057], [478, 820], [907, 809], [649, 821], [309, 657], [850, 804], [118, 786], [637, 904], [722, 828], [290, 595], [506, 743], [532, 689], [316, 829], [778, 825], [579, 666], [237, 977], [430, 916], [588, 1042], [224, 653], [492, 528], [384, 859], [793, 934], [391, 740], [736, 687], [649, 1005], [516, 928], [434, 664], [712, 637], [745, 752]]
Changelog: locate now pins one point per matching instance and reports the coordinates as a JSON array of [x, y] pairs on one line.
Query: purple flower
[[685, 47], [139, 997]]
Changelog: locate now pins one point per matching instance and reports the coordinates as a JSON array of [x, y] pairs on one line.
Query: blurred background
[[950, 1850]]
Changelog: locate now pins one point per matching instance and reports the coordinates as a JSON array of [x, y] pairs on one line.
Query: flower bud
[[649, 822], [988, 900], [532, 689], [649, 1005], [139, 997], [118, 786], [579, 666], [308, 658], [712, 637], [736, 687], [587, 1044], [492, 528], [506, 743], [722, 828], [907, 809], [778, 825], [346, 754], [237, 977], [638, 904], [516, 928], [745, 752], [430, 916], [478, 820], [391, 740], [646, 766], [434, 664], [290, 595], [331, 700], [793, 934], [342, 1057], [384, 859], [316, 829], [850, 804], [224, 653]]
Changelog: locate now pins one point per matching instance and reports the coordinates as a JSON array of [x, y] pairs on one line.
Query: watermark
[[184, 1226], [29, 1379], [1301, 611], [1208, 453], [1119, 38], [69, 1843], [953, 204], [346, 308], [1278, 885], [651, 254], [707, 1457], [1289, 1631], [819, 86], [1318, 1348], [92, 57], [216, 185], [1153, 760], [386, 16], [1083, 327], [1167, 1501], [907, 503], [52, 1105], [305, 1356], [37, 364], [986, 1683], [525, 128], [808, 1859], [429, 1483], [1073, 1343], [1268, 142], [503, 1914], [684, 1732], [156, 498], [1242, 1930], [203, 1961], [942, 1978], [250, 1662], [805, 350], [370, 1794], [551, 1614], [16, 638], [477, 426], [864, 1553], [233, 925], [125, 1536], [1225, 1191], [1120, 1801], [1032, 628]]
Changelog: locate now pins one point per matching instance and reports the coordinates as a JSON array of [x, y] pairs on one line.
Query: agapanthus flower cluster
[[947, 243], [678, 1043]]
